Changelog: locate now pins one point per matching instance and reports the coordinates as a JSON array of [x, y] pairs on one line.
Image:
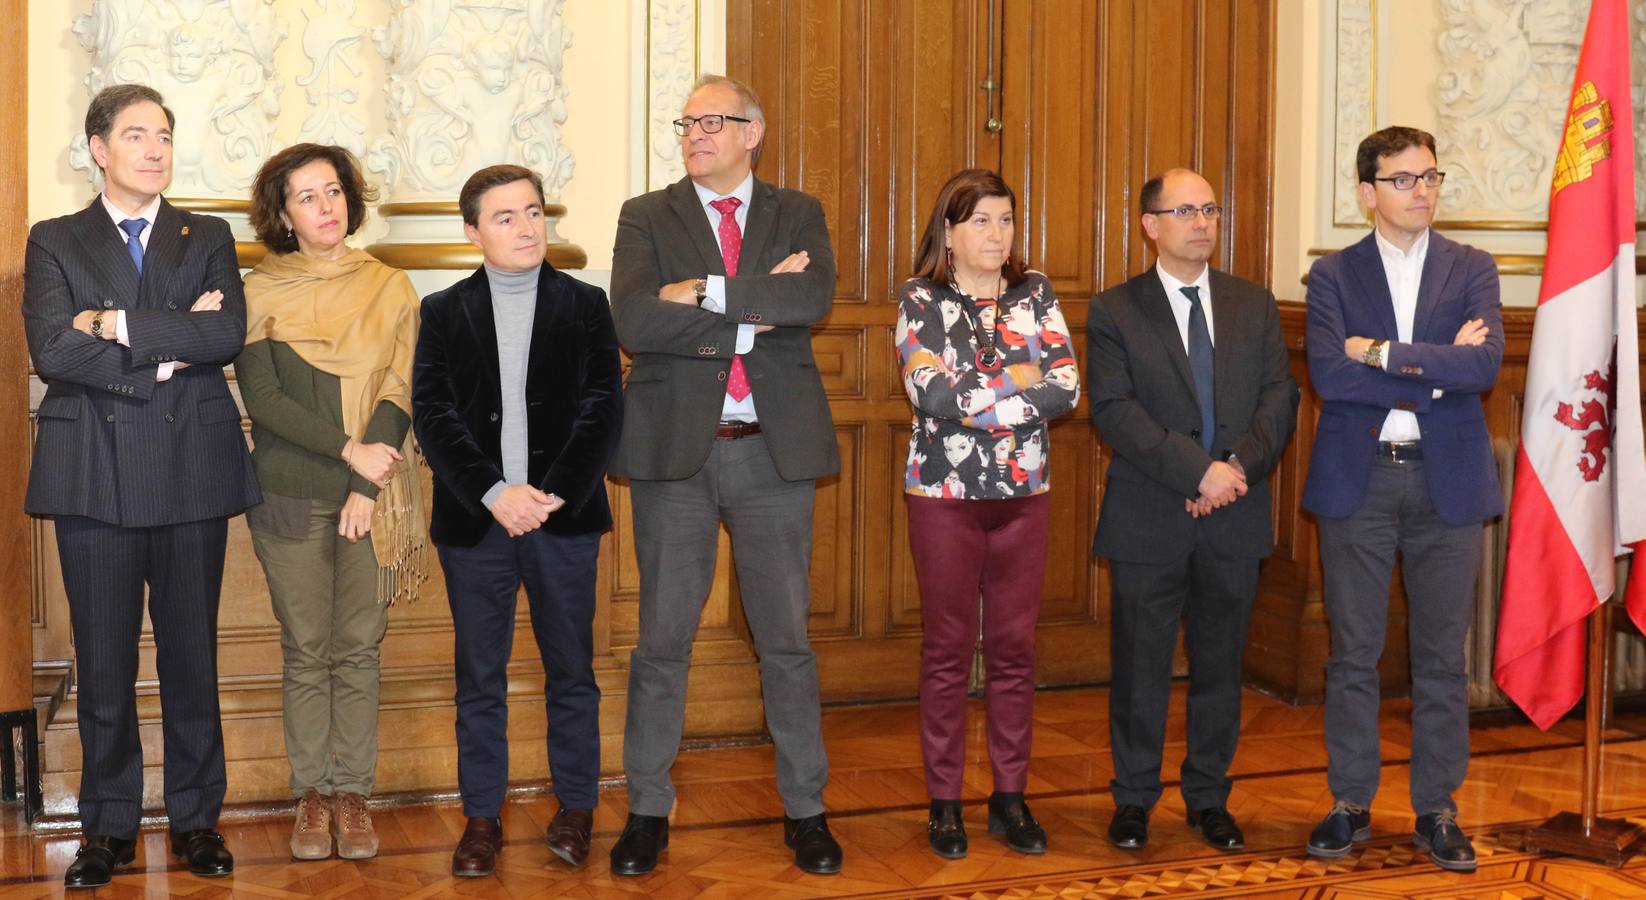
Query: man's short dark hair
[[1149, 198], [268, 191], [468, 201], [1388, 142], [110, 101]]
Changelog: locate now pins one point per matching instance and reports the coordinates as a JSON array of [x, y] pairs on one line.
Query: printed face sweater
[[977, 434]]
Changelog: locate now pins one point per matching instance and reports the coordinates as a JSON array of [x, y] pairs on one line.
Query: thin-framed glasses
[[1188, 211], [1405, 181], [711, 123]]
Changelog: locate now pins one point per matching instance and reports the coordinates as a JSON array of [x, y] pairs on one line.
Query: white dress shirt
[[1180, 301], [714, 297], [1404, 271], [118, 215]]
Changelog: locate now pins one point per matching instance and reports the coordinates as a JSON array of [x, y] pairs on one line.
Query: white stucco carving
[[471, 83], [1354, 93], [329, 44], [671, 68], [213, 61]]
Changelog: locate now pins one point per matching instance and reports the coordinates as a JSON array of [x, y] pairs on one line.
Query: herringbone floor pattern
[[727, 839]]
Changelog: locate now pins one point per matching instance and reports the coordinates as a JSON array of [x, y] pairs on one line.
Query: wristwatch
[[97, 326], [700, 286], [1374, 354]]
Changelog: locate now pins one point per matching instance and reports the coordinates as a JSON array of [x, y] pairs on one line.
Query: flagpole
[[1585, 834]]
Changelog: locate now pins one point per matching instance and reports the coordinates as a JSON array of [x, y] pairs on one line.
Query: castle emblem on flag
[[1592, 413], [1587, 140]]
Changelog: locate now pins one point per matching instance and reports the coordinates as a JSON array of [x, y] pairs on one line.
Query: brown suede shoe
[[476, 853], [311, 831], [569, 835], [356, 839]]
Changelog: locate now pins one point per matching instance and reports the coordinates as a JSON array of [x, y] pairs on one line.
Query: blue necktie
[[1200, 363], [134, 244]]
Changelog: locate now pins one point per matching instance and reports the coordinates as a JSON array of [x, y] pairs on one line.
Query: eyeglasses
[[1405, 181], [711, 123], [1187, 211]]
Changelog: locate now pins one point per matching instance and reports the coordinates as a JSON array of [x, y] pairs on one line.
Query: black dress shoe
[[635, 852], [476, 853], [1129, 829], [1218, 827], [204, 851], [815, 849], [946, 830], [95, 861], [1009, 815], [1336, 834], [1448, 847]]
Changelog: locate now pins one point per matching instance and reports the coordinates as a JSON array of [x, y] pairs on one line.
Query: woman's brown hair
[[955, 203], [268, 191]]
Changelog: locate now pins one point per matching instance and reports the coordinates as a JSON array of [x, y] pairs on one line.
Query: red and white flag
[[1580, 477]]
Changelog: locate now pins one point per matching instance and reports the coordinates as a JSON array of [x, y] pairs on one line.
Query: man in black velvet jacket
[[517, 402]]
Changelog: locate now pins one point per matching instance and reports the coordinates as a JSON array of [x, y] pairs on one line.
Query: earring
[[948, 259]]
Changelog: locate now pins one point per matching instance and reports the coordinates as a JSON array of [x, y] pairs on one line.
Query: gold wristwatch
[[1374, 354], [700, 287], [97, 326]]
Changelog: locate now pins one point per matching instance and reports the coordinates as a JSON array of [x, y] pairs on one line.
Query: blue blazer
[[1348, 297]]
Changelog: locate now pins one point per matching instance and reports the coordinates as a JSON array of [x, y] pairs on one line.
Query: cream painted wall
[[599, 69]]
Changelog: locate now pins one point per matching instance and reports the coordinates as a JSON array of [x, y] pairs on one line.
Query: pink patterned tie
[[731, 244]]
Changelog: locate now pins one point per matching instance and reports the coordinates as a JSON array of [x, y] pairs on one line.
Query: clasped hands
[[210, 301], [521, 508], [682, 291], [1471, 334], [1223, 483]]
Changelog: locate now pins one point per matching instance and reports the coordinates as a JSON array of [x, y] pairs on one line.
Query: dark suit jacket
[[114, 444], [1143, 402], [1349, 297], [682, 354], [574, 403]]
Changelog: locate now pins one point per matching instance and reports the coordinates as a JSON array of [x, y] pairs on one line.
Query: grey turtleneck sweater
[[514, 306]]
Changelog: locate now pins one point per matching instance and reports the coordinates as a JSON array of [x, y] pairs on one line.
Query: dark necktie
[[1200, 363], [731, 244], [134, 241]]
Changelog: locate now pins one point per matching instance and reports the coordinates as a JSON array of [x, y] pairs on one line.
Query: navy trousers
[[481, 584], [105, 568]]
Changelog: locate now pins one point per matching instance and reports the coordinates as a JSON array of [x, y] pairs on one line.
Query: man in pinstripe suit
[[132, 308]]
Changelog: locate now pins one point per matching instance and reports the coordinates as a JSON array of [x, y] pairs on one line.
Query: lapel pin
[[185, 231]]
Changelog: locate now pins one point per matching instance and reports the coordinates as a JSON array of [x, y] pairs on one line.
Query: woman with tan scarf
[[326, 379]]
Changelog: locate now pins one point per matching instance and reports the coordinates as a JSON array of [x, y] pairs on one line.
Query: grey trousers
[[676, 526], [331, 627], [1439, 563]]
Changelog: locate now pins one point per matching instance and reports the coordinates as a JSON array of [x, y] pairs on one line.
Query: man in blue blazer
[[132, 308], [1404, 336]]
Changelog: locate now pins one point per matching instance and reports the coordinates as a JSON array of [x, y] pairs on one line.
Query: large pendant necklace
[[988, 358]]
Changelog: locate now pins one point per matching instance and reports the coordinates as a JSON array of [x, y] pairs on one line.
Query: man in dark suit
[[517, 402], [132, 308], [716, 282], [1405, 333], [1190, 387]]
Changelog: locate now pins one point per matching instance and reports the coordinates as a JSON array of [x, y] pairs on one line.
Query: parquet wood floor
[[726, 836]]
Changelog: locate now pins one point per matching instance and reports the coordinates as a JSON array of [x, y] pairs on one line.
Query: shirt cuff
[[492, 493], [164, 374], [1383, 360], [745, 339], [121, 337], [714, 295]]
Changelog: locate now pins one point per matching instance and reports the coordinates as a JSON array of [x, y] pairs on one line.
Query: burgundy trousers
[[961, 549]]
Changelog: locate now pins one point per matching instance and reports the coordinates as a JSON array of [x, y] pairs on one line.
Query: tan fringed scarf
[[355, 318]]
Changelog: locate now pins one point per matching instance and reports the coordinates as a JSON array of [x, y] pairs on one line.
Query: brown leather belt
[[1400, 451], [731, 431]]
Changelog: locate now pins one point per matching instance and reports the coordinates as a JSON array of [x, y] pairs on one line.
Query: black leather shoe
[[95, 861], [946, 830], [815, 849], [204, 850], [1336, 834], [476, 853], [1009, 815], [635, 852], [1129, 829], [1448, 847], [1218, 827]]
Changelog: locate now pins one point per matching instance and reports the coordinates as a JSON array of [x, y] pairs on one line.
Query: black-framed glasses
[[1188, 211], [711, 123], [1405, 181]]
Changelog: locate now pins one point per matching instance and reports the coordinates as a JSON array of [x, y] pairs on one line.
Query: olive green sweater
[[297, 425]]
